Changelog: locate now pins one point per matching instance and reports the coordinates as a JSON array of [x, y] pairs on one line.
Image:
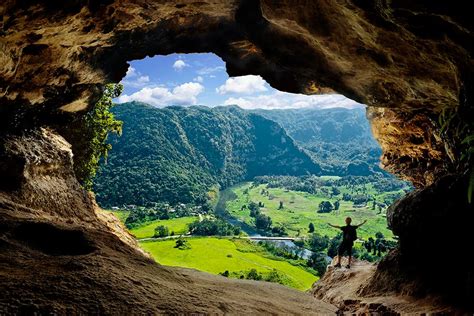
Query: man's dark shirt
[[347, 233]]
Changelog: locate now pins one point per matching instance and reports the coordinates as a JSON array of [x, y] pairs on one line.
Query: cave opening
[[205, 156]]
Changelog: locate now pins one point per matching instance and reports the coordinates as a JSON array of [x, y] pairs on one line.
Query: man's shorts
[[345, 246]]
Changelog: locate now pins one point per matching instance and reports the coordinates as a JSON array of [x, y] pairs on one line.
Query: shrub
[[318, 262], [182, 244], [254, 275], [325, 207], [263, 222], [274, 277], [279, 231], [334, 244], [318, 243], [217, 227], [88, 135], [161, 231]]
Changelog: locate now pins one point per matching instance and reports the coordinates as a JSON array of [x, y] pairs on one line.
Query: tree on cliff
[[88, 135], [318, 262]]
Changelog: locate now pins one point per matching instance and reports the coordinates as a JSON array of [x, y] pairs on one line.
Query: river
[[254, 235]]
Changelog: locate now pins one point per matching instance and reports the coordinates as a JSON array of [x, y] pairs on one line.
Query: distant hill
[[338, 139], [177, 154]]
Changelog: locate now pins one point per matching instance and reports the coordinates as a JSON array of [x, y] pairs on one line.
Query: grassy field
[[300, 210], [216, 255], [177, 225]]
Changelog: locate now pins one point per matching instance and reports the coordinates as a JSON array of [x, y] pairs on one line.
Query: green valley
[[179, 154], [240, 258], [175, 226], [292, 204], [199, 187], [299, 209]]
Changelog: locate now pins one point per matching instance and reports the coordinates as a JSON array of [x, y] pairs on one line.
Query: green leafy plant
[[182, 244], [161, 231], [468, 155], [459, 142], [88, 135]]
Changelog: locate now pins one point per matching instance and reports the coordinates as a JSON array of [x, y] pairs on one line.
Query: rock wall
[[398, 55], [342, 288], [59, 254], [435, 234], [408, 61]]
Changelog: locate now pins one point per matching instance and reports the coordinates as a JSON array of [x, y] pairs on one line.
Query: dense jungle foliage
[[177, 154]]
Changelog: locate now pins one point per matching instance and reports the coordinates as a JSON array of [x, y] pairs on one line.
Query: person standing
[[349, 235]]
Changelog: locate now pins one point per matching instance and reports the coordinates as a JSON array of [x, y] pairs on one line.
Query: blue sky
[[192, 79]]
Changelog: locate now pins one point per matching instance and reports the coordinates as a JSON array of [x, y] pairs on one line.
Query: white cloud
[[135, 79], [131, 72], [209, 70], [283, 100], [189, 89], [179, 64], [185, 94], [198, 79], [244, 84], [143, 79]]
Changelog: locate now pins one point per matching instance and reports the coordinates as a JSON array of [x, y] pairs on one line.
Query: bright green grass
[[300, 210], [177, 225], [216, 255]]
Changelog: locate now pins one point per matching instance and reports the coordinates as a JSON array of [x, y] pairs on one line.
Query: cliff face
[[60, 255], [402, 56], [407, 61], [342, 288]]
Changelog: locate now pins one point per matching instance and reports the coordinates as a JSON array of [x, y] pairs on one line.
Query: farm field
[[238, 257], [300, 209], [177, 225]]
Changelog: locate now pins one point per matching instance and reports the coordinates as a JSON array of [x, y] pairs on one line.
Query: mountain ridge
[[176, 154], [338, 139]]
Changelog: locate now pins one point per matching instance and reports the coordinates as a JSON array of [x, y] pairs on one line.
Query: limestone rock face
[[37, 173], [397, 55], [60, 255], [411, 145], [345, 288], [432, 223]]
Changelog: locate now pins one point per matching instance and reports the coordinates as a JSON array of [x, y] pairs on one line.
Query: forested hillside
[[338, 139], [177, 154]]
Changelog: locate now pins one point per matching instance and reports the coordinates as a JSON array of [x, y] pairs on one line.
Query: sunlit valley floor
[[297, 263], [165, 189]]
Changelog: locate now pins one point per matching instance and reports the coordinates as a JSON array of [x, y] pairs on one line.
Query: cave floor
[[104, 275]]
